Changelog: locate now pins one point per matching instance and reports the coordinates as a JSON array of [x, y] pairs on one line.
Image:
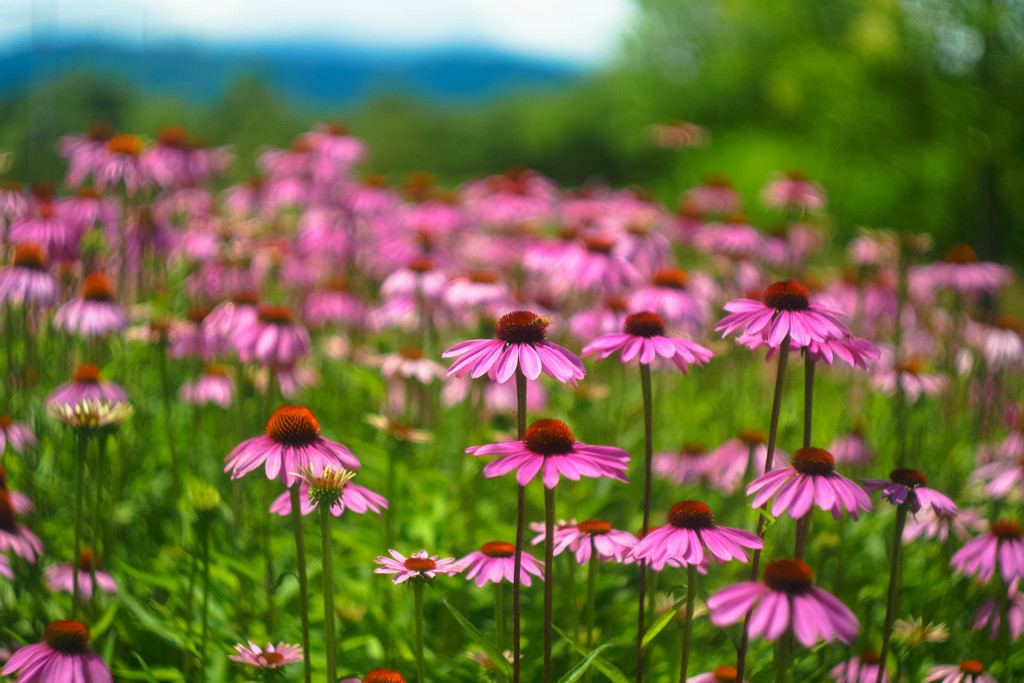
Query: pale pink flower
[[416, 566]]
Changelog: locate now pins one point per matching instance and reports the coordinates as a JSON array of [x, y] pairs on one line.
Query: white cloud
[[580, 30]]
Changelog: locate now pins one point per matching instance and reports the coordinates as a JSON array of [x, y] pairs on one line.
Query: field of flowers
[[534, 433]]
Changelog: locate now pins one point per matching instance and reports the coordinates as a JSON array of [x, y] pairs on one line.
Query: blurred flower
[[91, 414], [62, 657], [417, 566], [60, 577], [27, 279], [214, 385], [690, 531], [934, 525], [678, 134], [1001, 546], [863, 669], [95, 313], [269, 657], [377, 676], [968, 671], [715, 195], [17, 434], [721, 674], [914, 632], [399, 430], [495, 562], [794, 190], [86, 386], [811, 480], [989, 614], [272, 339], [903, 485], [644, 339]]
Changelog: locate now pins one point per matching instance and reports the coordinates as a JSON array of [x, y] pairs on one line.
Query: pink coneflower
[[1001, 477], [335, 304], [21, 503], [86, 385], [960, 271], [495, 562], [989, 614], [863, 669], [377, 676], [17, 434], [478, 291], [930, 524], [87, 208], [84, 152], [419, 280], [95, 313], [721, 674], [610, 544], [122, 161], [273, 339], [27, 279], [785, 309], [416, 566], [785, 599], [62, 657], [715, 195], [679, 297], [518, 343], [45, 224], [734, 457], [1000, 343], [689, 533], [214, 385], [734, 237], [550, 445], [356, 498], [599, 266], [188, 339], [223, 322], [60, 577], [794, 190], [409, 363], [677, 134], [904, 484], [644, 339], [603, 318], [292, 440], [691, 463], [967, 671], [851, 449], [269, 657], [1001, 546], [812, 480], [13, 536], [910, 374]]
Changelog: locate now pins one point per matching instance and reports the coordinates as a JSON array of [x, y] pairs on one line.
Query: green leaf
[[488, 647], [575, 674], [101, 626], [662, 622], [610, 671]]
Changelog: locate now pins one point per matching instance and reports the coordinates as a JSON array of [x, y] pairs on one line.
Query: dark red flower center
[[1006, 529], [798, 174], [616, 303], [173, 136], [30, 255], [293, 426], [1007, 322], [719, 180], [10, 186], [301, 145], [549, 437], [411, 354], [245, 297], [270, 658], [787, 295], [198, 314], [788, 576], [216, 370], [970, 666], [690, 514], [97, 287], [521, 327], [276, 315], [816, 461], [645, 324], [8, 517], [337, 128], [86, 560], [910, 478], [751, 437], [594, 527], [420, 564], [421, 265], [498, 549], [670, 277], [725, 674], [693, 449], [869, 656], [67, 637], [338, 283], [960, 253], [599, 244], [568, 233], [911, 366], [126, 144], [6, 421], [87, 373], [383, 676], [482, 277], [736, 219], [100, 131]]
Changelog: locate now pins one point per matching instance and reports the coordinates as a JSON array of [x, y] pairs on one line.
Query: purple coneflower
[[811, 480], [292, 440], [960, 271], [416, 566], [335, 304], [689, 533], [785, 310], [967, 671], [269, 657], [989, 614], [644, 339], [785, 599], [13, 536], [721, 674], [679, 297], [377, 676], [62, 657], [592, 534], [863, 669], [715, 195], [733, 236], [519, 343], [495, 562], [909, 373], [931, 524], [214, 385], [95, 313], [273, 339], [86, 385], [851, 448], [27, 279], [550, 445], [17, 434], [1001, 546], [220, 326], [794, 190], [60, 577], [904, 484], [1002, 476], [121, 160], [409, 363], [356, 498]]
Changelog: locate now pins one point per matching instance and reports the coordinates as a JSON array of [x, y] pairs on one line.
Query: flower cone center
[[719, 180], [725, 674], [383, 676], [245, 298], [815, 461], [100, 131], [293, 426], [198, 314], [498, 549], [1006, 529], [276, 315], [521, 327], [87, 560], [751, 437], [693, 450], [788, 576], [908, 477], [87, 373], [6, 421], [594, 527], [421, 265], [420, 564], [411, 354], [670, 277], [8, 517], [30, 255], [645, 324], [736, 219], [549, 437], [970, 666], [599, 244], [482, 277], [125, 144], [960, 253], [690, 514], [616, 303], [67, 637], [270, 658], [97, 287], [173, 136], [787, 296], [869, 657]]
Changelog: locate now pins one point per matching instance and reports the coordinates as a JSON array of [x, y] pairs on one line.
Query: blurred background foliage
[[908, 111]]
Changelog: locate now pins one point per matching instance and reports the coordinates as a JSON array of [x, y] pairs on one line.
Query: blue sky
[[581, 31]]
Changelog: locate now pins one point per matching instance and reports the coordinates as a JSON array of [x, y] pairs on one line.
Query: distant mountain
[[311, 75]]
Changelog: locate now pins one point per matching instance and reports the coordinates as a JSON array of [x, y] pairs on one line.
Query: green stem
[[645, 385], [892, 603], [499, 616], [204, 535], [803, 526], [97, 533], [549, 575], [591, 589], [808, 398], [783, 650], [691, 598], [327, 569], [780, 376], [520, 527], [83, 446], [418, 597], [300, 556]]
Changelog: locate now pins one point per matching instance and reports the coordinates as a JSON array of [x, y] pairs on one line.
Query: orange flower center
[[67, 637], [908, 477], [1008, 322], [100, 131], [1006, 529], [670, 277], [217, 370], [10, 185], [383, 676], [173, 136], [86, 560], [245, 297], [970, 666], [725, 674], [594, 527], [337, 128], [301, 145], [420, 564], [690, 514], [498, 549], [87, 373], [599, 244], [198, 314], [378, 180], [911, 366], [8, 517], [125, 144], [270, 658], [30, 255], [960, 253], [751, 437], [521, 327], [787, 296], [815, 461], [616, 303], [97, 287], [6, 421], [737, 219], [482, 277], [411, 354], [277, 315], [645, 324], [421, 265], [869, 657], [788, 576], [549, 437], [720, 180], [293, 426], [338, 283]]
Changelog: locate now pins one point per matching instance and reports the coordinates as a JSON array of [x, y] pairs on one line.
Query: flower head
[[1001, 546], [863, 669], [325, 487], [721, 674], [377, 676], [17, 434], [587, 536], [644, 339], [13, 536], [812, 479], [95, 313], [60, 577], [967, 671], [63, 657], [417, 566], [495, 561], [269, 657], [903, 485], [689, 533], [91, 414], [785, 309]]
